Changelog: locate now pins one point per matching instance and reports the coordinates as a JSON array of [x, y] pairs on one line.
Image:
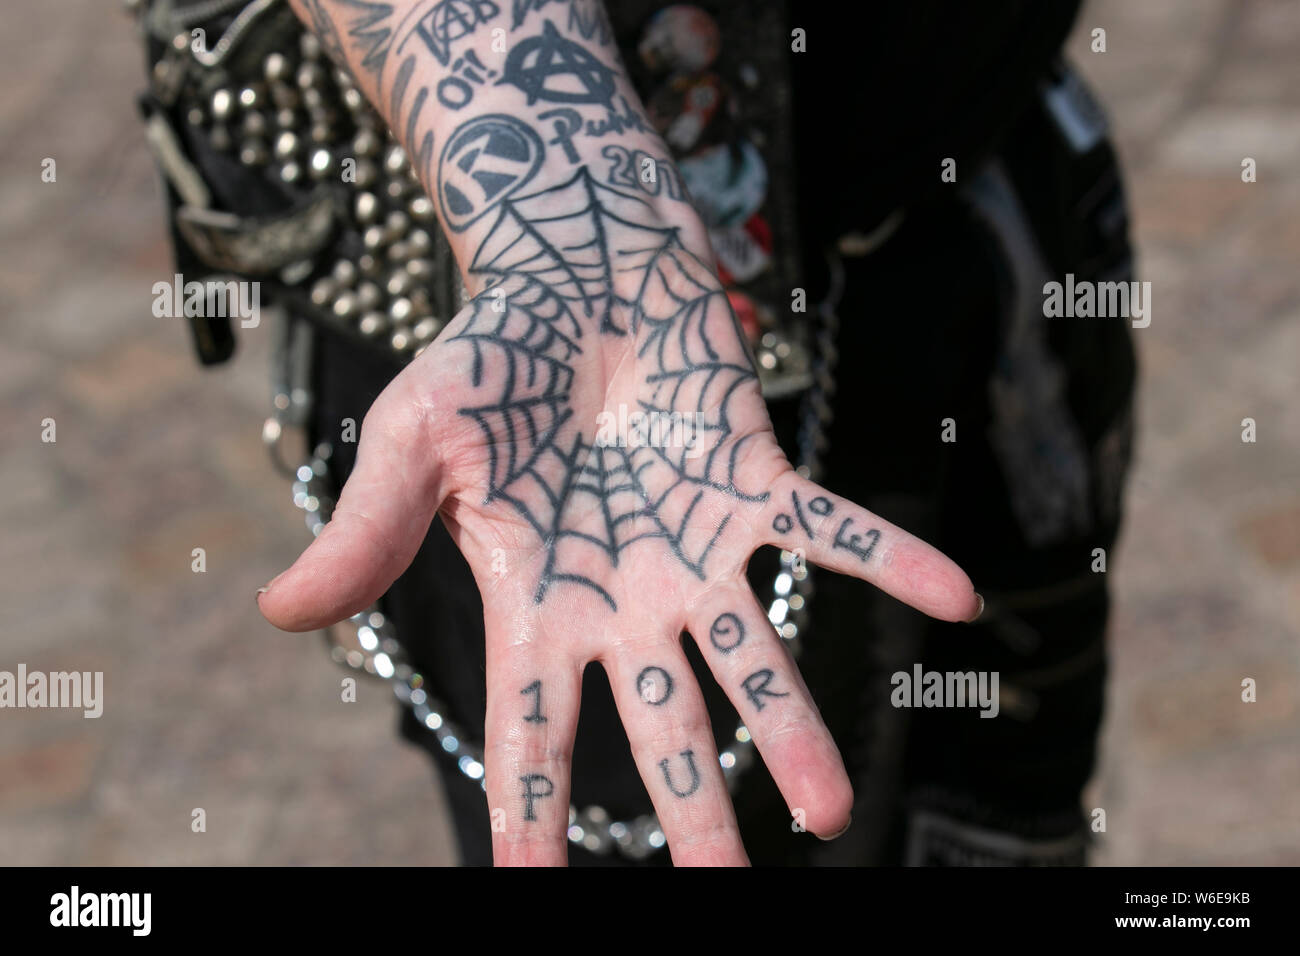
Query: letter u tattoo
[[689, 757]]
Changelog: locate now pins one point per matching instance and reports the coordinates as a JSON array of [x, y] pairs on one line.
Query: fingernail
[[835, 836], [260, 592], [978, 611]]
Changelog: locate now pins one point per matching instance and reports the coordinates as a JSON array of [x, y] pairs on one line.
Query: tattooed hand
[[591, 539]]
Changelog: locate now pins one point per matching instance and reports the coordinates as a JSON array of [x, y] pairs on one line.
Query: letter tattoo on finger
[[655, 685], [727, 632], [755, 686], [531, 795], [536, 716], [689, 757]]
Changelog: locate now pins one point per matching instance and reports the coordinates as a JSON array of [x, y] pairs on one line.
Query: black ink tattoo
[[455, 92], [592, 25], [554, 69], [535, 717], [619, 121], [373, 32], [483, 164], [853, 543], [530, 795], [722, 631], [755, 685], [570, 260], [629, 166], [521, 8], [689, 757], [567, 122], [452, 20], [322, 25], [655, 685], [784, 523]]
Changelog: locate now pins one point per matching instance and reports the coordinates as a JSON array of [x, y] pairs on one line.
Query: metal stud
[[366, 208], [344, 272], [276, 67], [369, 296], [223, 105], [373, 323], [421, 208], [253, 152], [345, 305], [286, 145]]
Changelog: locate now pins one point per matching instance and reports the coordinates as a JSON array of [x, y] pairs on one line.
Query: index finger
[[835, 533]]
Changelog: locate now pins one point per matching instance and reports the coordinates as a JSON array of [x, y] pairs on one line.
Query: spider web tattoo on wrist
[[566, 263]]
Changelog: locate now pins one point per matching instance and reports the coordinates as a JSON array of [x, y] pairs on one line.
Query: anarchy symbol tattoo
[[558, 70]]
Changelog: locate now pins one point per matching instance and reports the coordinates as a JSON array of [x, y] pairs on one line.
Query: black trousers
[[968, 418]]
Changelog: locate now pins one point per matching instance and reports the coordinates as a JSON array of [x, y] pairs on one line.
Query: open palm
[[591, 430]]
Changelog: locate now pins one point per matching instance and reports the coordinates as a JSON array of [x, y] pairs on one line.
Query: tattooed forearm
[[481, 56], [577, 247]]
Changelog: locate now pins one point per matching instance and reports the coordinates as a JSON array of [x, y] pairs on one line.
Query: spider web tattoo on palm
[[577, 259]]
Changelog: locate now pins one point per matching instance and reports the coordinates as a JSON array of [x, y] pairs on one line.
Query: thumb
[[377, 527]]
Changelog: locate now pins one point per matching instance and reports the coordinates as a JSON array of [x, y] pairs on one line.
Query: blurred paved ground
[[1208, 578], [207, 706]]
